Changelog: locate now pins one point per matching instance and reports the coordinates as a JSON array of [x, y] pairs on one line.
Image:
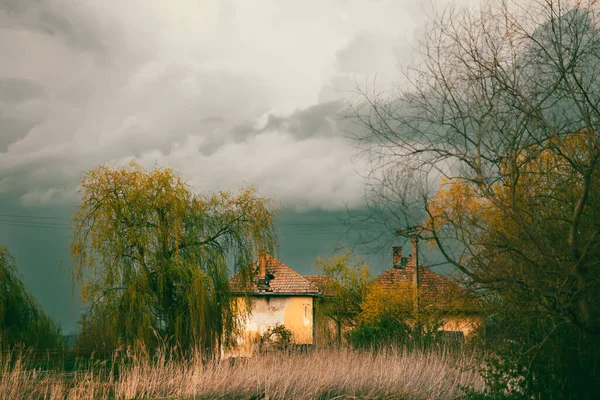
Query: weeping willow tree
[[152, 258], [22, 321]]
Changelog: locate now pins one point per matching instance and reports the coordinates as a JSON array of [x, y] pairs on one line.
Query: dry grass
[[323, 374]]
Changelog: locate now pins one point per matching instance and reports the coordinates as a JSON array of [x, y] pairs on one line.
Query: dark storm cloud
[[332, 119], [318, 120]]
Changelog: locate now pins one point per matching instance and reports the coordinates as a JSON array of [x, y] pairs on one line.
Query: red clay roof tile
[[323, 283], [284, 280], [434, 289]]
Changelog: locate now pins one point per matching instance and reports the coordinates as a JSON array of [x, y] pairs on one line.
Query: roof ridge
[[285, 279], [293, 272]]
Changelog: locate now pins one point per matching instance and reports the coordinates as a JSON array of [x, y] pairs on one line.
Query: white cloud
[[191, 85]]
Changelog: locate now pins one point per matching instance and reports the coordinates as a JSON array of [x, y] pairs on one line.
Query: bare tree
[[492, 151]]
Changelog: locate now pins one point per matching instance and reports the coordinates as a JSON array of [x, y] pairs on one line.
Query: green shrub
[[535, 357], [277, 338], [381, 332]]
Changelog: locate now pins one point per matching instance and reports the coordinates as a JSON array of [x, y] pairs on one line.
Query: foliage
[[347, 283], [530, 253], [397, 302], [548, 358], [504, 106], [375, 316], [389, 316], [22, 321], [382, 332], [152, 258], [278, 337], [545, 340]]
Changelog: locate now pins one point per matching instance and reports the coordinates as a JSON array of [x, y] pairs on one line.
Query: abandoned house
[[278, 296], [459, 310]]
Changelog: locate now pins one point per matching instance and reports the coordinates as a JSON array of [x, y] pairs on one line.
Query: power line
[[24, 225], [33, 216], [292, 228], [34, 222]]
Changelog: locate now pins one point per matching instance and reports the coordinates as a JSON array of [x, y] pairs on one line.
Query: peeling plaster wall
[[295, 312]]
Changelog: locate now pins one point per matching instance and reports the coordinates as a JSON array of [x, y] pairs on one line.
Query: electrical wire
[[51, 222]]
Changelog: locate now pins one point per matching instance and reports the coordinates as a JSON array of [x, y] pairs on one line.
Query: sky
[[228, 92]]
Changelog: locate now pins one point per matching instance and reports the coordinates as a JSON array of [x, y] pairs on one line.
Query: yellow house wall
[[298, 318], [465, 324], [295, 312]]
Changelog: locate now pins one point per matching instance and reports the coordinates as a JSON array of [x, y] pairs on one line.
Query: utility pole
[[415, 256], [414, 233]]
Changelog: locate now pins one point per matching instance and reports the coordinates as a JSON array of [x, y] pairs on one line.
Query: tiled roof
[[434, 289], [323, 283], [392, 276], [282, 280]]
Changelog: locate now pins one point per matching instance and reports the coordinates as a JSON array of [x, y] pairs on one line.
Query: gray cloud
[[367, 53], [318, 120], [13, 129], [15, 90], [72, 24], [224, 91]]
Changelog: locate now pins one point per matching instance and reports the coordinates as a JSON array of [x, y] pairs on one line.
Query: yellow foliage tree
[[415, 316], [396, 302], [536, 231]]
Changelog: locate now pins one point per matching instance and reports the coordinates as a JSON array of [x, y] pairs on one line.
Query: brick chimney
[[262, 278], [397, 253], [262, 265]]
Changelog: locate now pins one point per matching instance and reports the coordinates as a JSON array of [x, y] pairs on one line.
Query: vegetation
[[315, 375], [491, 154], [389, 316], [504, 108], [152, 258], [347, 280], [370, 316], [22, 321], [276, 338]]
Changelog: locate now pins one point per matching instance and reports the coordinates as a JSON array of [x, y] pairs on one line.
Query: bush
[[531, 356], [382, 332], [277, 338]]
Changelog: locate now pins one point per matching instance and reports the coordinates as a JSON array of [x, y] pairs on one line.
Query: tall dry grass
[[323, 374]]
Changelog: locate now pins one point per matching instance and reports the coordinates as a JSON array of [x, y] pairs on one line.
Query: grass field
[[322, 374]]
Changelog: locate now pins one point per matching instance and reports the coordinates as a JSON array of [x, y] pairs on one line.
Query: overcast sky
[[225, 91]]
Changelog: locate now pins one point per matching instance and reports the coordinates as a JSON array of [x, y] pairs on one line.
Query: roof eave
[[277, 294]]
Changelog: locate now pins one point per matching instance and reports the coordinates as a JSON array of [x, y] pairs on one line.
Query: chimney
[[397, 252], [262, 264], [263, 277]]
